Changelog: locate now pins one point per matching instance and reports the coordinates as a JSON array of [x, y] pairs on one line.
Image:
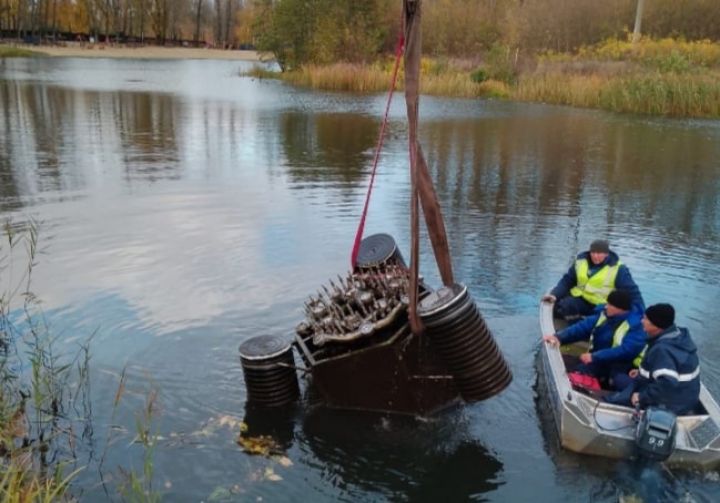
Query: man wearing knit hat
[[669, 374], [616, 338], [588, 282]]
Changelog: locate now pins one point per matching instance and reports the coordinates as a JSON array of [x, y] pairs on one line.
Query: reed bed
[[670, 77], [376, 78], [669, 95], [341, 77]]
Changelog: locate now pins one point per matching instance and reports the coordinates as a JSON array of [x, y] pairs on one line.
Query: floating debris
[[263, 445]]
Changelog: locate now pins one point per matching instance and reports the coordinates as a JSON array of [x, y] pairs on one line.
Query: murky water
[[184, 208]]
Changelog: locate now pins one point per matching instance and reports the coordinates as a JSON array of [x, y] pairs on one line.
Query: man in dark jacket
[[616, 337], [669, 375], [588, 282]]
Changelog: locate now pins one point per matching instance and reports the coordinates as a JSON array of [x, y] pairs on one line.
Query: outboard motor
[[655, 434]]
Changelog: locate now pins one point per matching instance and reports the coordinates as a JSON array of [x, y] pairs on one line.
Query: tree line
[[213, 22], [321, 31]]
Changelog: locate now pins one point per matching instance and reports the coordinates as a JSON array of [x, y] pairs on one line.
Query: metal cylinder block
[[268, 367], [459, 333], [378, 249]]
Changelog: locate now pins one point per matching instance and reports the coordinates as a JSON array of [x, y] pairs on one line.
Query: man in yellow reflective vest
[[589, 281], [616, 338]]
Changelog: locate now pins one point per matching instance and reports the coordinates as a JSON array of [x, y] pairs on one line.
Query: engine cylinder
[[268, 367], [459, 333]]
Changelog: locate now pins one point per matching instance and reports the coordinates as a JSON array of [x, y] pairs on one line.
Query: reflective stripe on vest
[[638, 359], [619, 334], [670, 373], [597, 287]]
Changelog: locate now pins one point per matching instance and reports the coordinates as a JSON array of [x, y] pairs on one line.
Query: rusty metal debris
[[359, 305]]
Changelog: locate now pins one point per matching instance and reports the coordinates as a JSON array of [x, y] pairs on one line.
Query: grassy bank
[[658, 77], [7, 51], [439, 78]]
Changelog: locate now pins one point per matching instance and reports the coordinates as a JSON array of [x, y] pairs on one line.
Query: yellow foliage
[[263, 445], [698, 52]]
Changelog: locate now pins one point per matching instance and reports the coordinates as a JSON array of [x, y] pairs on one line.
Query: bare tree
[[229, 17], [198, 8], [159, 19], [219, 39]]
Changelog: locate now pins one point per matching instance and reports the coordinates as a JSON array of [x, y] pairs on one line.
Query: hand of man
[[635, 399], [586, 358], [633, 373], [549, 298], [551, 339]]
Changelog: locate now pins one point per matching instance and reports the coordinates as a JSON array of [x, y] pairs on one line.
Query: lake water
[[184, 208]]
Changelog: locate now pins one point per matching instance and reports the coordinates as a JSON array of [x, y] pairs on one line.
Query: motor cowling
[[655, 434]]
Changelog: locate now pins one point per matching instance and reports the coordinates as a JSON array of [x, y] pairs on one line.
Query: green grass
[[7, 51]]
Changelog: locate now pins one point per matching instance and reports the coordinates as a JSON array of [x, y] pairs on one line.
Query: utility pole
[[638, 20]]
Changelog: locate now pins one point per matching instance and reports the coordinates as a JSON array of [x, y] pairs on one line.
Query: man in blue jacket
[[588, 282], [616, 337], [669, 375]]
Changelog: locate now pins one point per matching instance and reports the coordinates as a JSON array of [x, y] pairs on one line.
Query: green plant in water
[[138, 487], [37, 436]]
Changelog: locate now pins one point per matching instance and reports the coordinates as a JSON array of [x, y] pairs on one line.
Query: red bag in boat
[[584, 381]]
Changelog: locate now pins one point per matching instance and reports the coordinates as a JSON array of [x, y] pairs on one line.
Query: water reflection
[[186, 209], [327, 147], [610, 169], [51, 135], [400, 457], [566, 177]]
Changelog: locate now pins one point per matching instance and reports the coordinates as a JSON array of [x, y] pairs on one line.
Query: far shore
[[76, 50]]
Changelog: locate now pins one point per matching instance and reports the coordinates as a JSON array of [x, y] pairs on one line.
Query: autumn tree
[[301, 31]]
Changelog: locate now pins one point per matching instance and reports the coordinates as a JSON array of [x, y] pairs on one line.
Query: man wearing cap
[[588, 282], [616, 337], [669, 374]]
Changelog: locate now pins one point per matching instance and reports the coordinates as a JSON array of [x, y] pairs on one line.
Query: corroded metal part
[[366, 301], [268, 367], [369, 359], [454, 324]]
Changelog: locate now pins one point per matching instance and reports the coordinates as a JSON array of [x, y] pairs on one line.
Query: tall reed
[[37, 426], [359, 78]]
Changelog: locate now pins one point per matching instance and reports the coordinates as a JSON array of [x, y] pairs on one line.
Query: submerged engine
[[359, 305], [357, 348]]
